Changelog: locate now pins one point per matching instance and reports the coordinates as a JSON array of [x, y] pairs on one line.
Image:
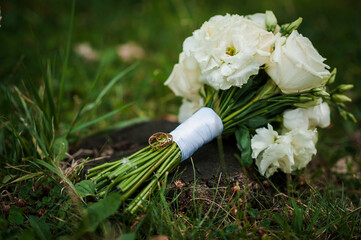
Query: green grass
[[51, 98]]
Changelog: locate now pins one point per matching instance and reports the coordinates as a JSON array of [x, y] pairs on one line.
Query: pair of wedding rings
[[160, 140]]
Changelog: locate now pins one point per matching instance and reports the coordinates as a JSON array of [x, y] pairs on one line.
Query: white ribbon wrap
[[196, 131]]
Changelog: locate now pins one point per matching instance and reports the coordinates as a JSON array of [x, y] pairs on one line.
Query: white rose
[[307, 118], [295, 65], [184, 78], [188, 108], [229, 49]]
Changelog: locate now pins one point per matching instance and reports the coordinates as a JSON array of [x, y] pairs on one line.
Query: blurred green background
[[34, 33]]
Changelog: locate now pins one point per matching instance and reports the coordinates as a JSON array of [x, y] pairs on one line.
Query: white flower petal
[[277, 155], [229, 49], [296, 118], [288, 152], [304, 146], [259, 19], [263, 139], [183, 80], [295, 65], [319, 116], [188, 108], [307, 118]]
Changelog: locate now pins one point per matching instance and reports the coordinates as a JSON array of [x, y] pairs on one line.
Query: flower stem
[[232, 115], [133, 206], [150, 171], [167, 166]]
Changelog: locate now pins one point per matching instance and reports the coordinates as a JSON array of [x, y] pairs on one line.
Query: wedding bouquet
[[242, 75]]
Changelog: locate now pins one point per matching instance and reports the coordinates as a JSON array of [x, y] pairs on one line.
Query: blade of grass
[[86, 107], [336, 221], [84, 104], [49, 93], [26, 177], [114, 81], [23, 143], [87, 124], [66, 60], [123, 124], [56, 171]]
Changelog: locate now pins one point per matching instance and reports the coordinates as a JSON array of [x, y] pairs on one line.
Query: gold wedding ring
[[160, 140]]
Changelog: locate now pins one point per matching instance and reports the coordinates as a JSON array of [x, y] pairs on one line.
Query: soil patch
[[205, 167], [115, 145]]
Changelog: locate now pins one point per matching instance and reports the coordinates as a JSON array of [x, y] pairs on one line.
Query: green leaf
[[60, 148], [3, 222], [98, 212], [257, 122], [127, 236], [85, 188], [244, 144], [253, 212], [41, 227], [28, 234], [15, 216], [265, 223]]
